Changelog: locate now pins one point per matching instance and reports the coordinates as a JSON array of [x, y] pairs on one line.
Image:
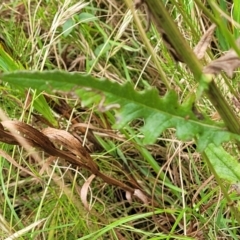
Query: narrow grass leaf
[[96, 235], [21, 232], [7, 63], [13, 162], [236, 15], [41, 105]]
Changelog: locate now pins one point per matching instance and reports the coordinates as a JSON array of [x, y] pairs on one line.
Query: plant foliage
[[159, 113], [226, 166]]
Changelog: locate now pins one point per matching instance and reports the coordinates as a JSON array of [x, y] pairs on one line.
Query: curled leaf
[[84, 192], [129, 196], [138, 193], [203, 44], [73, 151], [227, 63]]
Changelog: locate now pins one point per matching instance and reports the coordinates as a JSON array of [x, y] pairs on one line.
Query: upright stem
[[161, 17]]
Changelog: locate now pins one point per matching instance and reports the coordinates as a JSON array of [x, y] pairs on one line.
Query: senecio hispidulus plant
[[129, 114]]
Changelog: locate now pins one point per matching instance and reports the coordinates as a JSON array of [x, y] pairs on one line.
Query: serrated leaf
[[226, 166], [158, 113]]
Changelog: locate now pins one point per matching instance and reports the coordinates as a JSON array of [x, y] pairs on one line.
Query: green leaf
[[68, 27], [86, 17], [226, 166], [236, 16], [224, 44], [7, 63], [41, 105], [158, 113]]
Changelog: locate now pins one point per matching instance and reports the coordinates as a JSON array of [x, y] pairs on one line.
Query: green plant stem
[[161, 16], [223, 28], [205, 11], [225, 111], [148, 45]]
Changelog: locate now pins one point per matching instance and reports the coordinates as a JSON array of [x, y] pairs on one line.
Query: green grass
[[43, 196]]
